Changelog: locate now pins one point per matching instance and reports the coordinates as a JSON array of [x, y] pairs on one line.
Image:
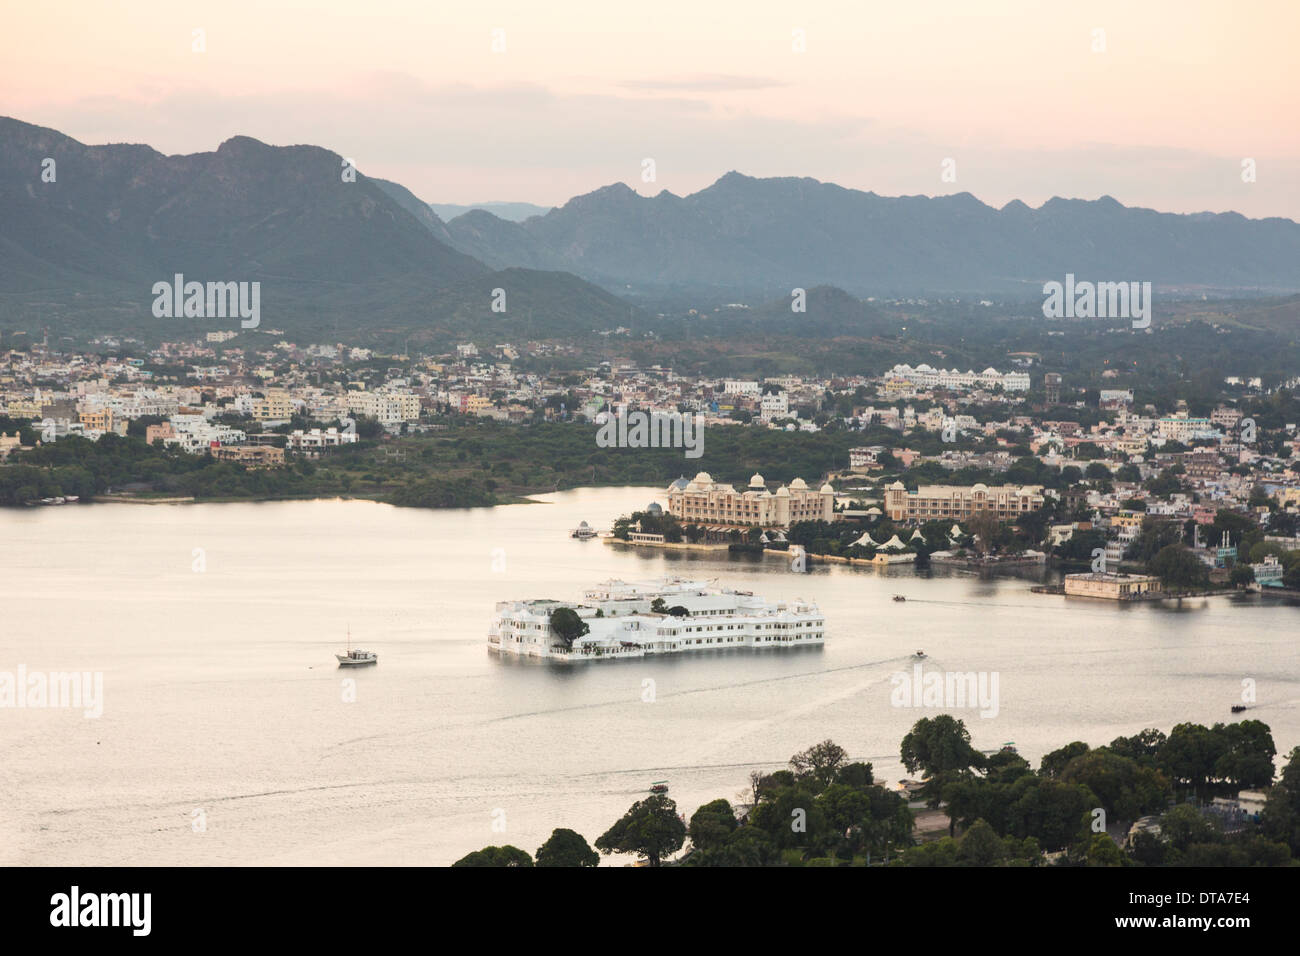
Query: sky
[[1158, 103]]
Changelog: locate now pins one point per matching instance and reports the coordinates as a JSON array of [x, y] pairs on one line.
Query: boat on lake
[[583, 531], [355, 656]]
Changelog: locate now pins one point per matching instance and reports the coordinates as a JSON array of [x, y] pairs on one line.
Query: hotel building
[[703, 501], [622, 622], [924, 375], [942, 502]]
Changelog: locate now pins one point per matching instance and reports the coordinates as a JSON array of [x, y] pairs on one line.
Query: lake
[[226, 737]]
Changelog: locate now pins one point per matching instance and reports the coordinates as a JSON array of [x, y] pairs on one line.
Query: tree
[[1179, 568], [496, 856], [1102, 851], [1248, 752], [1054, 762], [1125, 788], [651, 828], [658, 606], [857, 774], [1183, 825], [941, 747], [984, 525], [1049, 810], [1281, 817], [712, 824], [1189, 756], [820, 762], [1142, 747], [981, 846], [566, 848], [567, 626]]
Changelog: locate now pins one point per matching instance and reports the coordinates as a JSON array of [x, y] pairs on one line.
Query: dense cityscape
[[1073, 473]]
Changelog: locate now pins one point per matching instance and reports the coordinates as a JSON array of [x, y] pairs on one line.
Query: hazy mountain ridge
[[82, 252], [509, 211], [748, 234]]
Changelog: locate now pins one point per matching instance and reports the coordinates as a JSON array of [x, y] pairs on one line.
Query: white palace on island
[[624, 620]]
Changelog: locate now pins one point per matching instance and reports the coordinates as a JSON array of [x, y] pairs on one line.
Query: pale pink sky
[[1012, 90]]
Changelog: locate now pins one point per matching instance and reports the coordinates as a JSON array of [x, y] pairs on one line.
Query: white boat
[[356, 657], [583, 531], [672, 616]]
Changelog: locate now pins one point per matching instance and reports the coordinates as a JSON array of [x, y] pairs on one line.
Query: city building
[[1111, 586], [773, 406], [932, 502], [952, 379], [1268, 573], [703, 501], [1052, 386], [312, 443], [255, 456], [865, 459]]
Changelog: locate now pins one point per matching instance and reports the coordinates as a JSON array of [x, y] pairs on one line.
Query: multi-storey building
[[97, 419], [671, 616], [928, 377], [255, 456], [934, 502], [275, 405], [703, 501], [312, 443], [773, 406], [1180, 428]]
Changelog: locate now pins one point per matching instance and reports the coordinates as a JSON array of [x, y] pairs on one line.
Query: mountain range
[[85, 232], [511, 211], [754, 236]]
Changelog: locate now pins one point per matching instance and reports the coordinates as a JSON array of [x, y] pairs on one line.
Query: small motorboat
[[919, 655], [899, 597], [355, 656], [659, 786], [1238, 708]]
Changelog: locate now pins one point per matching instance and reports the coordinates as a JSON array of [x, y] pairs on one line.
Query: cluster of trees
[[76, 466], [563, 848], [824, 809], [1008, 812]]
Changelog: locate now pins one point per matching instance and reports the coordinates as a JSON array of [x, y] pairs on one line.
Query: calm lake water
[[223, 704]]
